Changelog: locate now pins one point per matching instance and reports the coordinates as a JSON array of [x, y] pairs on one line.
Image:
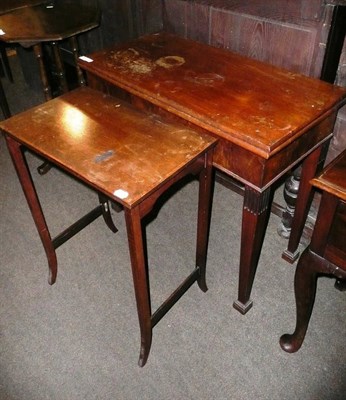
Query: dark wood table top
[[10, 5], [333, 178], [257, 106], [126, 155], [39, 23]]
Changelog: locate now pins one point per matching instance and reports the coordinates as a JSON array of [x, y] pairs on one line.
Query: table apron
[[236, 161], [258, 172]]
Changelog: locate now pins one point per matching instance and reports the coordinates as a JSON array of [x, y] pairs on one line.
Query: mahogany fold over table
[[267, 120]]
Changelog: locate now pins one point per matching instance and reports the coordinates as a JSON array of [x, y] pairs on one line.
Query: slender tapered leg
[[34, 205], [204, 210], [255, 217], [140, 280], [303, 203]]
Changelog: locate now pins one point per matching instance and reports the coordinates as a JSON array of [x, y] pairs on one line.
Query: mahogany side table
[[267, 120], [326, 253], [127, 156]]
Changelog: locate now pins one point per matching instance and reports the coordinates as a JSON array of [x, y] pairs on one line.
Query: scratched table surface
[[255, 105], [333, 178], [125, 164], [267, 120]]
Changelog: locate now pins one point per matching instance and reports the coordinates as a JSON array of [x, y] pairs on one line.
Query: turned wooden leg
[[34, 205], [59, 67], [140, 280], [303, 203], [255, 217], [290, 196], [305, 289], [43, 73], [38, 50], [203, 224], [75, 52]]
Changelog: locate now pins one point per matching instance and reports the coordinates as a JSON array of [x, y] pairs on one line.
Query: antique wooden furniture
[[304, 36], [10, 5], [327, 251], [267, 119], [127, 156], [48, 22]]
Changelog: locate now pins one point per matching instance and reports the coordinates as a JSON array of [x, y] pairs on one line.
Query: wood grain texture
[[333, 178], [286, 34], [265, 40], [280, 10], [118, 150], [254, 105]]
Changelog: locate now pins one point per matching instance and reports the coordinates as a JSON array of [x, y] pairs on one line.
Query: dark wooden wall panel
[[256, 29], [286, 45], [280, 10], [188, 19], [117, 24]]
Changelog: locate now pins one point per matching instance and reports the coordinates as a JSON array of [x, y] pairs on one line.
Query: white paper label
[[122, 194], [85, 58]]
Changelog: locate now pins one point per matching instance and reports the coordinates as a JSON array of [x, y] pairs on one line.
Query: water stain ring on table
[[170, 61]]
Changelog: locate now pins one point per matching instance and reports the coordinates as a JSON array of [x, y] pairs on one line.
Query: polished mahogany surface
[[332, 182], [47, 22], [267, 120], [9, 5], [131, 157], [333, 178], [108, 143], [255, 105]]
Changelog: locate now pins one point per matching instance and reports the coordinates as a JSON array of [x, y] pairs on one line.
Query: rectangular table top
[[333, 177], [255, 105], [120, 151]]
